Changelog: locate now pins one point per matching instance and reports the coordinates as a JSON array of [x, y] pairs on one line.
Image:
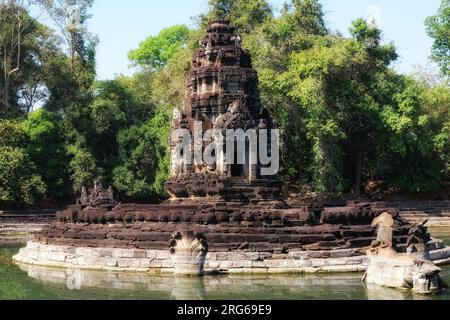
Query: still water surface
[[37, 283]]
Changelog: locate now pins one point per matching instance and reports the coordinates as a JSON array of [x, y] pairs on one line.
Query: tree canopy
[[438, 27], [156, 51], [347, 120]]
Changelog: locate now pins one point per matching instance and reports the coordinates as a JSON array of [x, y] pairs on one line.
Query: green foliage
[[19, 182], [82, 166], [245, 15], [24, 44], [156, 51], [438, 27], [169, 85], [345, 117], [410, 159], [11, 134], [144, 159], [47, 150], [436, 106]]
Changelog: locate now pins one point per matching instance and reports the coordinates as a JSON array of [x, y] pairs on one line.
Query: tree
[[329, 92], [154, 52], [19, 181], [143, 157], [71, 18], [82, 166], [45, 147], [408, 156], [245, 15], [436, 106], [11, 134], [70, 77], [23, 42], [438, 27]]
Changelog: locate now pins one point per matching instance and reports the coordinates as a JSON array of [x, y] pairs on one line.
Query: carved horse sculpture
[[389, 268]]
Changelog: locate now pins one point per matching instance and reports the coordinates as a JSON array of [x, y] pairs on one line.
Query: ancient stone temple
[[220, 217], [222, 94]]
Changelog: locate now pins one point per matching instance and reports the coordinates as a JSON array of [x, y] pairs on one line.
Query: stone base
[[238, 262]]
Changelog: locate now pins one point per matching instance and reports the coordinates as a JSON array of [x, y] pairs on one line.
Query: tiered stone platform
[[268, 237]]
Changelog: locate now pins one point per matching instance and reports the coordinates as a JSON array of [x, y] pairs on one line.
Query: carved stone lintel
[[188, 250]]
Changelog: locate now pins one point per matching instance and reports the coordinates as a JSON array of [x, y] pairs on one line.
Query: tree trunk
[[358, 173], [7, 87]]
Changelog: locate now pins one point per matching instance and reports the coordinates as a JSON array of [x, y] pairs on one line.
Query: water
[[37, 283]]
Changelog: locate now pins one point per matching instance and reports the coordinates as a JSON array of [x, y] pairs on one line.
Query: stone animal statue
[[188, 250], [417, 242], [389, 268], [385, 224]]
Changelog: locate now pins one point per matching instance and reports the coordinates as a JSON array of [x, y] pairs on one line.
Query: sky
[[121, 25]]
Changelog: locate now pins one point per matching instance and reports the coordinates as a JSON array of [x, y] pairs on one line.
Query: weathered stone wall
[[437, 212], [159, 261], [19, 232], [20, 226], [221, 237]]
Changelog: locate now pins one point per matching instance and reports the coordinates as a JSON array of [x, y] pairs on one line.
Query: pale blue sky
[[122, 25]]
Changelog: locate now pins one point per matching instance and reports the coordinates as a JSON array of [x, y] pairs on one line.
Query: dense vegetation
[[347, 119]]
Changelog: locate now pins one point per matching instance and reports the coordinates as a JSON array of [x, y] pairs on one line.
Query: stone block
[[111, 262], [167, 263], [319, 254], [123, 262], [100, 262], [272, 263], [163, 255], [90, 261], [336, 262], [127, 253], [242, 264], [155, 263], [104, 252], [342, 253], [58, 257], [134, 263], [299, 254], [151, 254], [354, 261], [144, 263], [139, 254], [225, 265], [318, 262], [81, 261]]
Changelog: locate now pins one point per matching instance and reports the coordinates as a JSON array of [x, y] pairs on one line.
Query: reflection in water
[[375, 292], [207, 287], [89, 284], [188, 288], [33, 282]]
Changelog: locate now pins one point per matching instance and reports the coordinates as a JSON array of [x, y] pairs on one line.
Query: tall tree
[[438, 27], [22, 43], [71, 75], [19, 181], [71, 17]]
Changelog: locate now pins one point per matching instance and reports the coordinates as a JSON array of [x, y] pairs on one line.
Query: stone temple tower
[[222, 94]]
